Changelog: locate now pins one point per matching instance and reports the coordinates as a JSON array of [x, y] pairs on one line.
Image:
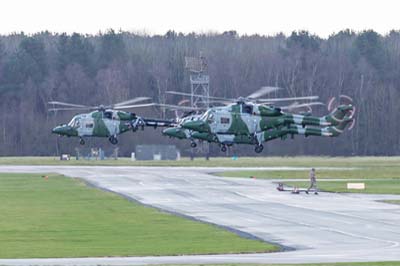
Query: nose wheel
[[82, 141], [259, 148], [193, 144], [223, 148], [113, 140]]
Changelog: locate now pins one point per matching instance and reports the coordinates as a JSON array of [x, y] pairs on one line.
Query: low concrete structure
[[156, 152]]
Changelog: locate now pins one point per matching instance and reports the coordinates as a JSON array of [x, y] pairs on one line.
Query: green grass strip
[[63, 217], [389, 263], [304, 161]]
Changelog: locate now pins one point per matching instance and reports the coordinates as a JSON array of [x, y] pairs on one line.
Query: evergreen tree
[[112, 48]]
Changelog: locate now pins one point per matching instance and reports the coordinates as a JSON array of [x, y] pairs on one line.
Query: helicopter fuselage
[[97, 124]]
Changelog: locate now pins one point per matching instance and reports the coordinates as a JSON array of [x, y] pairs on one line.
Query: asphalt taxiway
[[330, 227]]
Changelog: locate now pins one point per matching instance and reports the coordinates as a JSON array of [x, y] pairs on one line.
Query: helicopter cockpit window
[[75, 122], [108, 115], [210, 117], [205, 115], [246, 108]]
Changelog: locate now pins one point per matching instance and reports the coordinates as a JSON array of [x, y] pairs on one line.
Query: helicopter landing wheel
[[223, 148], [193, 145], [82, 141], [113, 140], [259, 148]]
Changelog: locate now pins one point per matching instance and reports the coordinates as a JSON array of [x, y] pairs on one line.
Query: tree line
[[115, 66]]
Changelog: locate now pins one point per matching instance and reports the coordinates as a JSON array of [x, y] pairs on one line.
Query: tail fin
[[338, 129], [336, 117]]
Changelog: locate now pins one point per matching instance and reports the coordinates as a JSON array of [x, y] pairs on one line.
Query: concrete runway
[[325, 228]]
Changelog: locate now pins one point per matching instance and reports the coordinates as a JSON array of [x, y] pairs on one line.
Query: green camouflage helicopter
[[247, 122], [104, 121]]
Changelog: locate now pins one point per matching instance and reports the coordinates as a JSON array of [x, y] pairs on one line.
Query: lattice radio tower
[[200, 91], [199, 81]]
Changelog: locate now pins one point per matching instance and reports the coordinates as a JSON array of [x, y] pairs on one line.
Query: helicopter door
[[248, 118], [86, 126], [210, 120], [224, 121], [112, 124]]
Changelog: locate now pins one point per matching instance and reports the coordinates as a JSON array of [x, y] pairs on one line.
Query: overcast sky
[[322, 17]]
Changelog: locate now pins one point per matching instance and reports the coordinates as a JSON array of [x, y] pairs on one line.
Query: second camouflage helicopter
[[248, 122]]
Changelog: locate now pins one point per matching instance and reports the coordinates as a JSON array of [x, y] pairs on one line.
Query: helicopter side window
[[247, 108], [224, 120], [89, 125]]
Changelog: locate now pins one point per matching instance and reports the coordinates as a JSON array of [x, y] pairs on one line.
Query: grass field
[[380, 174], [370, 162], [377, 172], [63, 217]]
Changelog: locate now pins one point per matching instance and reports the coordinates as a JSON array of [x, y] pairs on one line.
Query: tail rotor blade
[[352, 124], [331, 104]]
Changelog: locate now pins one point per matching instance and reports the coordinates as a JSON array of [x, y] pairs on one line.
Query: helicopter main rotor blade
[[288, 99], [131, 101], [263, 91], [197, 95], [182, 102], [69, 109], [68, 104], [179, 107], [294, 106], [223, 102], [134, 106]]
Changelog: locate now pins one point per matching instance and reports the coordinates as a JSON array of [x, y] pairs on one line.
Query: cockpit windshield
[[75, 122], [204, 116], [208, 116]]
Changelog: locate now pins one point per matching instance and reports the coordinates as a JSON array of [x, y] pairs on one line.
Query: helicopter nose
[[63, 131], [174, 132], [199, 126], [57, 130]]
